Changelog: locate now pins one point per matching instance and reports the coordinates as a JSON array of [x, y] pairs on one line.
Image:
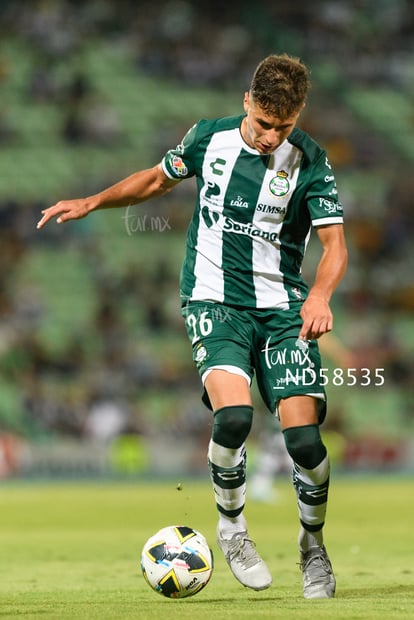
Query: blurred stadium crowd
[[92, 345]]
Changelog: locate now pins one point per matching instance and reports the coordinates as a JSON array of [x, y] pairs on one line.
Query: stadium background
[[96, 372]]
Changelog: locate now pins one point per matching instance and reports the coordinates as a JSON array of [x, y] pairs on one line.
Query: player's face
[[262, 131]]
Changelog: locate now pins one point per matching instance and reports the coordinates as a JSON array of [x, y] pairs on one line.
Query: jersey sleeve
[[178, 163], [322, 195]]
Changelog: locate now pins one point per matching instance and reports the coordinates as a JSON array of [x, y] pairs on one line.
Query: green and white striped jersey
[[248, 234]]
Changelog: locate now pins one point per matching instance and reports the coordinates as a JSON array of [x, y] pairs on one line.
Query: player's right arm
[[136, 188]]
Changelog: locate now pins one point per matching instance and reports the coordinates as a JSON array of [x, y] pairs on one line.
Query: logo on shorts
[[200, 353], [279, 185], [302, 344], [297, 292]]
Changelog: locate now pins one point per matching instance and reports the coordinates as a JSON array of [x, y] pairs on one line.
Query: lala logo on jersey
[[239, 202], [279, 185]]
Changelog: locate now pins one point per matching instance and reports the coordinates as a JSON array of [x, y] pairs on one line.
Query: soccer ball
[[177, 561]]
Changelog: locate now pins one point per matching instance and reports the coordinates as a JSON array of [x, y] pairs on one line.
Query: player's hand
[[66, 210], [317, 318]]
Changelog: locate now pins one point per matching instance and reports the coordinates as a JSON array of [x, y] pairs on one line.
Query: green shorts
[[262, 343]]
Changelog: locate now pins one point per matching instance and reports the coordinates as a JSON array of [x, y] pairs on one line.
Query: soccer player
[[263, 183]]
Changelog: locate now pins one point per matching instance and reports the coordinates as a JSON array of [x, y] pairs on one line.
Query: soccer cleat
[[244, 561], [318, 577]]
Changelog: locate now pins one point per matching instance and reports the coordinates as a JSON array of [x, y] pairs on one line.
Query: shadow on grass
[[378, 591]]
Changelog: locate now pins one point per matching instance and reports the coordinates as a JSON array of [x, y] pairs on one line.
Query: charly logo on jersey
[[279, 185], [217, 166]]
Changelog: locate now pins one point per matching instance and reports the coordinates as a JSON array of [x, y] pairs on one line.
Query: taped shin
[[311, 481], [227, 463]]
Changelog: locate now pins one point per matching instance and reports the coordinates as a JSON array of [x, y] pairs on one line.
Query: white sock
[[307, 539], [229, 526]]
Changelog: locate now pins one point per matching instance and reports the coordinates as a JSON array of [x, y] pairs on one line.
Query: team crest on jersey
[[179, 166], [279, 185]]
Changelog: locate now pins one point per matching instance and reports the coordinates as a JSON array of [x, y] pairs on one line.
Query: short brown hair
[[280, 84]]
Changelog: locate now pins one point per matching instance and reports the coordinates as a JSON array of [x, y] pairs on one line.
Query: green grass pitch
[[72, 551]]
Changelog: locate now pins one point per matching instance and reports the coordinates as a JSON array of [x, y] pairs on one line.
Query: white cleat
[[244, 561], [318, 577]]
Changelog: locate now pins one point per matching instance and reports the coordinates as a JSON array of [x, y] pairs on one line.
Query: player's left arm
[[316, 313]]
